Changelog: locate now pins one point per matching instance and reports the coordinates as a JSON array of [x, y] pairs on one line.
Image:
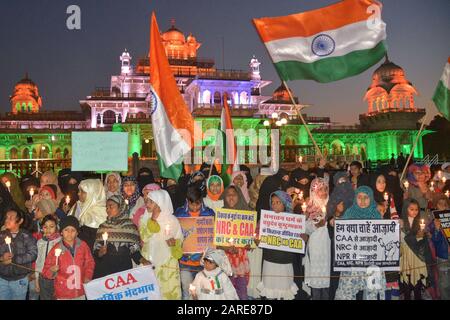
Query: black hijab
[[144, 177]]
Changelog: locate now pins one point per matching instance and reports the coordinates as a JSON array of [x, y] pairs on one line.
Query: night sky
[[68, 65]]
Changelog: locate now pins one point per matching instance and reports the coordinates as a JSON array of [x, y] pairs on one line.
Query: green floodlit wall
[[377, 145]]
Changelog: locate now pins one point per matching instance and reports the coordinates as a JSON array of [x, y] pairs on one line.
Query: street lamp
[[275, 122]]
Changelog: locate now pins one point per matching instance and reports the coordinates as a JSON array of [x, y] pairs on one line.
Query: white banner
[[360, 244], [134, 284], [281, 231]]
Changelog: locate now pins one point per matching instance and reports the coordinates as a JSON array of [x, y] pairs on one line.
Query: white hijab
[[93, 210], [159, 251], [109, 193]]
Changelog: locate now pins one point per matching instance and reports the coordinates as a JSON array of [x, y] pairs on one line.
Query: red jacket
[[73, 270]]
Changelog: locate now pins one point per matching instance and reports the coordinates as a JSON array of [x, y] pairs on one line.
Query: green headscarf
[[355, 212]]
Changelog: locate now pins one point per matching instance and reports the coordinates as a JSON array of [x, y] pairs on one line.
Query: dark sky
[[67, 65]]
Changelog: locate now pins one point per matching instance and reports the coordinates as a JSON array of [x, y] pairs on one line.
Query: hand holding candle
[[406, 184], [301, 195], [444, 180], [8, 242], [31, 193], [192, 289], [67, 200], [105, 238], [386, 196], [57, 254]]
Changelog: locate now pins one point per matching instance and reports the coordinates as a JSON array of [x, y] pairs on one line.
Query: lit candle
[[432, 186], [126, 201], [304, 207], [422, 224], [439, 173], [31, 192], [8, 242], [444, 179], [300, 159], [447, 193], [324, 209], [8, 185], [57, 254], [105, 237], [301, 195], [406, 184], [386, 196]]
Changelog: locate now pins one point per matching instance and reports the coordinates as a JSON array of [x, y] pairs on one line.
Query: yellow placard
[[234, 227]]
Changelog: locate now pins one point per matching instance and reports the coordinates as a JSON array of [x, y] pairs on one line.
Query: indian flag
[[441, 96], [229, 150], [327, 44], [173, 124]]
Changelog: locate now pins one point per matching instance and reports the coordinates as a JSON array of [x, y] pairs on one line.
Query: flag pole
[[413, 147], [299, 113]]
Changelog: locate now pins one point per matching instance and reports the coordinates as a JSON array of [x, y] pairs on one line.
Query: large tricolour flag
[[327, 44], [173, 124], [229, 149], [441, 96]]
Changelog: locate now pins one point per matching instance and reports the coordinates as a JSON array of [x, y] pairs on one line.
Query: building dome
[[390, 90], [281, 94], [25, 97], [173, 35]]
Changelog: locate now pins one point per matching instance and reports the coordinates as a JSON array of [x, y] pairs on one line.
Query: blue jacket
[[439, 241]]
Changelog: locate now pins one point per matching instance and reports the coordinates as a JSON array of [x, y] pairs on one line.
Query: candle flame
[[8, 240], [105, 236], [58, 252]]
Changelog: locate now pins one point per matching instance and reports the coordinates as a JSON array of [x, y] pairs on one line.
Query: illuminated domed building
[[389, 126]]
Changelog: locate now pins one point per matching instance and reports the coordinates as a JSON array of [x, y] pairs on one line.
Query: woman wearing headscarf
[[278, 270], [215, 188], [49, 177], [198, 180], [162, 236], [123, 243], [278, 181], [14, 189], [239, 179], [140, 212], [418, 177], [112, 184], [352, 282], [415, 254], [234, 199], [144, 177], [318, 251], [90, 209], [130, 192], [69, 180], [253, 190]]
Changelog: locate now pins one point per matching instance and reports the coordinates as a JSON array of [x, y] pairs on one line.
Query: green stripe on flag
[[172, 172], [441, 98], [332, 69]]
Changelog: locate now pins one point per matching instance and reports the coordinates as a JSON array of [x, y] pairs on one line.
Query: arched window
[[30, 106], [206, 99], [66, 153], [18, 106], [217, 98], [13, 153], [244, 97], [25, 153]]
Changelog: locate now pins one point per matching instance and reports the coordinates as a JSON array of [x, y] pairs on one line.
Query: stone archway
[[337, 147], [13, 153]]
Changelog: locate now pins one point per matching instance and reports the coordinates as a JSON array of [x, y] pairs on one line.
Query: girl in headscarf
[[383, 195], [123, 243], [140, 212], [130, 192], [90, 209], [418, 177], [318, 251], [278, 270], [233, 199], [162, 236], [49, 177], [14, 189], [239, 179], [415, 255], [214, 189], [112, 185], [352, 282]]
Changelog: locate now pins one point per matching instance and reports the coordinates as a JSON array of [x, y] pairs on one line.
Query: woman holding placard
[[278, 270]]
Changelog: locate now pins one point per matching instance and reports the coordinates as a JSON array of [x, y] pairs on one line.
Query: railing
[[33, 166], [219, 106], [373, 113], [106, 93]]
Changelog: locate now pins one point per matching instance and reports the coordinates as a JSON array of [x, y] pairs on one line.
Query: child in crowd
[[213, 283], [22, 250], [50, 236], [75, 264]]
